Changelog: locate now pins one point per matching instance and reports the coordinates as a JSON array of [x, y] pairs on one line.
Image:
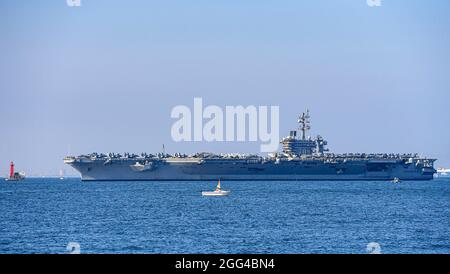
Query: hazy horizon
[[104, 77]]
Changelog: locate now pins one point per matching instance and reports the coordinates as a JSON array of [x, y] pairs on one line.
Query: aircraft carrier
[[302, 158]]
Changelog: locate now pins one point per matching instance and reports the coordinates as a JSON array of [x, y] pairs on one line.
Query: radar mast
[[304, 122]]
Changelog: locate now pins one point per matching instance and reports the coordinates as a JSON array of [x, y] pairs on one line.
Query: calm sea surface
[[44, 215]]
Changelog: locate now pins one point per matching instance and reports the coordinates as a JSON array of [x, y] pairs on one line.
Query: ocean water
[[45, 215]]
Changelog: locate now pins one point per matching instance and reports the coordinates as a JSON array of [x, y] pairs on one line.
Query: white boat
[[396, 180], [217, 192]]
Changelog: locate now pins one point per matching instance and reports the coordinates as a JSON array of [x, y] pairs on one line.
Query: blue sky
[[105, 76]]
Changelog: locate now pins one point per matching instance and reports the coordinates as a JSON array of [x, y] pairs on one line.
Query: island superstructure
[[302, 158]]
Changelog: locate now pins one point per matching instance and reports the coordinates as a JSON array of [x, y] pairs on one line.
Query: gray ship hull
[[174, 169], [302, 159]]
